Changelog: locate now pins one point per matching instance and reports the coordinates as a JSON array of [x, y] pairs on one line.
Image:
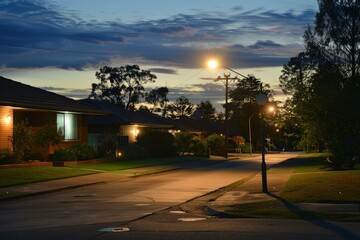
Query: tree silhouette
[[121, 85]]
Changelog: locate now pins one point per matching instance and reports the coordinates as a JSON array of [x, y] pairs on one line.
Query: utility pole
[[226, 79]]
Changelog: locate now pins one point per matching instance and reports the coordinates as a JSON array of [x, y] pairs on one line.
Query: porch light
[[7, 119]]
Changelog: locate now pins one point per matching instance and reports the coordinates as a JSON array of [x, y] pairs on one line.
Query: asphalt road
[[148, 208]]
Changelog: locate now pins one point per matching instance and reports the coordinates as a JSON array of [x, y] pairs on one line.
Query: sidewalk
[[34, 189]]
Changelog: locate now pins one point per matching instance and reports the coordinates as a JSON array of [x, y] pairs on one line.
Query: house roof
[[122, 116], [198, 125], [20, 95]]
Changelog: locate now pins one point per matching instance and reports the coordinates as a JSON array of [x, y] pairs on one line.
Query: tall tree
[[158, 99], [325, 80], [121, 85], [181, 108], [206, 110]]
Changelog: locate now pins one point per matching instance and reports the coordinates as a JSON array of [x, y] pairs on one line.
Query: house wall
[[6, 126], [132, 131], [38, 119]]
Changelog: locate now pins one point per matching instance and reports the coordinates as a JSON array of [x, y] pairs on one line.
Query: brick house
[[20, 102]]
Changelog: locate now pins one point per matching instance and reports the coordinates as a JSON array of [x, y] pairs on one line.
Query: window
[[68, 123]]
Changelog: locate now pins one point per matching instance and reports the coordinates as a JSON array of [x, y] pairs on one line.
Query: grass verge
[[123, 164], [18, 176], [311, 182]]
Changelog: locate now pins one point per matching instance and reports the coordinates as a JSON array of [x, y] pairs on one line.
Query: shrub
[[134, 152], [74, 153], [47, 136], [107, 144], [217, 144], [63, 154], [83, 151], [198, 148], [157, 143], [22, 141], [185, 142], [6, 156]]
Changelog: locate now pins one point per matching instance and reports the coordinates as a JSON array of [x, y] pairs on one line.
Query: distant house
[[127, 125], [200, 127], [20, 102]]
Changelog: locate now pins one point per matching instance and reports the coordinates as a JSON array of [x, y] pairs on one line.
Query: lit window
[[68, 123]]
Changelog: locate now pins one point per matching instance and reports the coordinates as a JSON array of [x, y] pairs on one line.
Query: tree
[[325, 80], [181, 108], [46, 137], [158, 99], [206, 110], [121, 85], [243, 103]]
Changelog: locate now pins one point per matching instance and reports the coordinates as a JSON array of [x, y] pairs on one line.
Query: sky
[[58, 45]]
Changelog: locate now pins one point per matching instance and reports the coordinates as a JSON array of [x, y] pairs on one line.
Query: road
[[149, 207]]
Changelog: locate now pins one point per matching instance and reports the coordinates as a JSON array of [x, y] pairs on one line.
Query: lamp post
[[250, 134], [214, 64], [226, 80], [262, 99]]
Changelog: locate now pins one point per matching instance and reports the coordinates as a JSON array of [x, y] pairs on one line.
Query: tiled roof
[[17, 94], [122, 116], [198, 125]]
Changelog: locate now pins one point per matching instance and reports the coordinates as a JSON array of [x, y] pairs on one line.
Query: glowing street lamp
[[213, 64]]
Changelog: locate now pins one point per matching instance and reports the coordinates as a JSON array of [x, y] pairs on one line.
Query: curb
[[35, 194]]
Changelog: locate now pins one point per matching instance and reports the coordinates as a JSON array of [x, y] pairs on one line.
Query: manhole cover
[[114, 229], [177, 212], [193, 219]]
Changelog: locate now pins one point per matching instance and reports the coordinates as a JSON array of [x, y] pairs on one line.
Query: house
[[127, 125], [200, 127], [20, 102]]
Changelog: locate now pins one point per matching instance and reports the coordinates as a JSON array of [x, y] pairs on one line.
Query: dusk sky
[[58, 45]]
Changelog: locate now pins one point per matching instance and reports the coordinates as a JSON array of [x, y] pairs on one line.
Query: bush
[[134, 152], [83, 152], [216, 143], [6, 156], [157, 143], [107, 144], [47, 136], [198, 148], [74, 153], [185, 142], [63, 154], [245, 148], [22, 141]]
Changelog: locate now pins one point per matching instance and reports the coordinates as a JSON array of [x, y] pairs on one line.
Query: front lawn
[[330, 186], [128, 164]]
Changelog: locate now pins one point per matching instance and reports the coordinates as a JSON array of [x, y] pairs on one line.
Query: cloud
[[36, 34], [163, 70]]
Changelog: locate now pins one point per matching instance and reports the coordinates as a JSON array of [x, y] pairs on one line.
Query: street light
[[214, 64], [262, 99]]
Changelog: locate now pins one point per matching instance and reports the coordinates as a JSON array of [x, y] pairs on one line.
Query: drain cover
[[193, 219], [114, 229], [142, 204]]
